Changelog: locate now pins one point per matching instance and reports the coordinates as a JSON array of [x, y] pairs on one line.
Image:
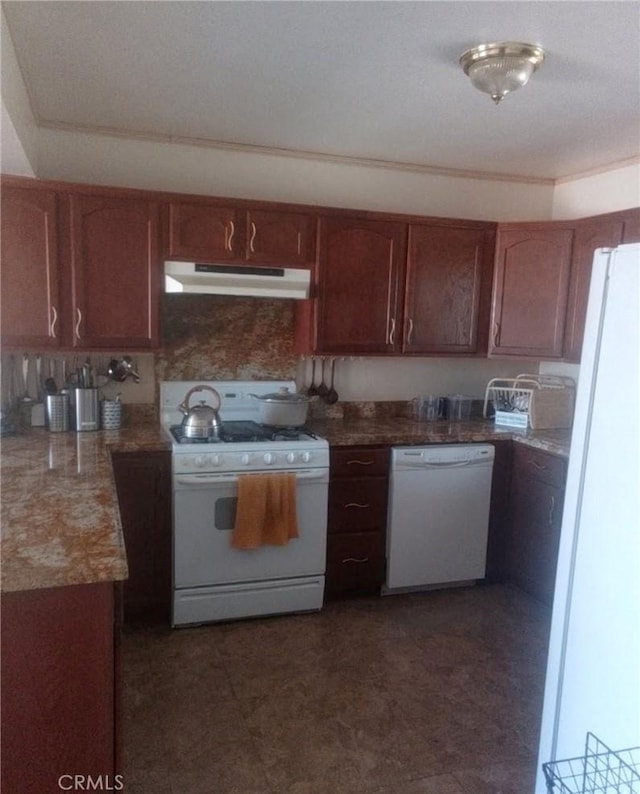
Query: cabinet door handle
[[357, 504], [359, 462], [539, 466], [54, 321], [409, 330], [299, 243], [552, 505], [355, 559], [229, 231], [496, 334], [253, 237], [78, 321], [392, 332]]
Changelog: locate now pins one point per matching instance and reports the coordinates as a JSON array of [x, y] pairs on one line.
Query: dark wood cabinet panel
[[537, 496], [587, 237], [496, 570], [143, 482], [204, 232], [115, 272], [361, 265], [448, 268], [531, 283], [355, 564], [281, 238], [30, 304], [357, 520], [57, 686], [631, 233]]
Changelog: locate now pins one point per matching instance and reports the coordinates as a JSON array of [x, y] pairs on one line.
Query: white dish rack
[[536, 401]]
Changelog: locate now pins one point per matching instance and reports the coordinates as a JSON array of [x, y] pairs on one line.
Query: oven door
[[204, 516]]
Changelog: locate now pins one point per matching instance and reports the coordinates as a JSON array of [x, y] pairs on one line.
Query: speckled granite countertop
[[398, 430], [59, 510]]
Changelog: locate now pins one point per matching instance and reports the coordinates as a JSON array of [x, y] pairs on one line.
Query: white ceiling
[[375, 80]]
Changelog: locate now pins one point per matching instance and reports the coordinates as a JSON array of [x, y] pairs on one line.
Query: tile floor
[[429, 693]]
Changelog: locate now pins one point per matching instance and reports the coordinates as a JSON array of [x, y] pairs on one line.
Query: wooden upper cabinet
[[210, 233], [447, 283], [30, 303], [204, 232], [281, 238], [530, 289], [115, 269], [631, 232], [587, 237], [361, 264]]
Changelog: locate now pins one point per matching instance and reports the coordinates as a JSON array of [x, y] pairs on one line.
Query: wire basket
[[536, 401], [599, 771]]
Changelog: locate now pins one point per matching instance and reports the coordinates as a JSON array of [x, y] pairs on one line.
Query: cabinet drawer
[[355, 563], [541, 465], [358, 504], [359, 461]]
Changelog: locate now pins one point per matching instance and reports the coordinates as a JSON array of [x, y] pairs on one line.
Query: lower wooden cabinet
[[143, 482], [537, 496], [356, 539], [59, 688]]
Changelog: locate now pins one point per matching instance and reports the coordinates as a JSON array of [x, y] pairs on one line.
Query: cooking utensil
[[332, 396], [128, 363], [283, 408], [323, 389], [312, 391], [201, 421]]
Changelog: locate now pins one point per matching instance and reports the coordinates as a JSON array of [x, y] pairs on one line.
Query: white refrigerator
[[593, 667]]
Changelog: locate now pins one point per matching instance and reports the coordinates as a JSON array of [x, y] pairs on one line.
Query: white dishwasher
[[438, 518]]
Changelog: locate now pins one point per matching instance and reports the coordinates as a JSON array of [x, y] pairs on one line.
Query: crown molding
[[247, 148]]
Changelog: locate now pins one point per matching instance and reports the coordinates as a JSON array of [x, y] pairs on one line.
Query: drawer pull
[[360, 462], [357, 504], [253, 238], [355, 559], [537, 465]]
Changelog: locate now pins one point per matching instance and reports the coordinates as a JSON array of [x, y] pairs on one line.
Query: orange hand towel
[[266, 511]]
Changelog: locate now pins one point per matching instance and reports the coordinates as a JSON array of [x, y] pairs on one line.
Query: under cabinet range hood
[[261, 282]]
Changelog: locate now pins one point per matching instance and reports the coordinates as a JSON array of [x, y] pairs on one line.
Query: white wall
[[617, 189], [19, 130], [131, 162]]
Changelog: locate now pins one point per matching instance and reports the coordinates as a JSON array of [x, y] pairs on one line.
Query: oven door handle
[[225, 479]]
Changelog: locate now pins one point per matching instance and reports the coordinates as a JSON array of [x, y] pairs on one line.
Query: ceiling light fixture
[[502, 67]]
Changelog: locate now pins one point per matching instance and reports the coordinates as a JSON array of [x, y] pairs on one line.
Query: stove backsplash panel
[[213, 337]]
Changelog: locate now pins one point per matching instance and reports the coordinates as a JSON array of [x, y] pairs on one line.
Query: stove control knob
[[199, 461], [245, 459], [215, 460], [269, 458], [291, 457], [305, 457]]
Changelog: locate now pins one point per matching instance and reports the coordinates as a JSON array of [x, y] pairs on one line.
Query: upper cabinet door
[[281, 238], [115, 268], [587, 237], [448, 272], [29, 260], [360, 269], [530, 291], [631, 232], [204, 232]]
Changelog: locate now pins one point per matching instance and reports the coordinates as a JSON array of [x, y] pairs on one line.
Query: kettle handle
[[184, 405]]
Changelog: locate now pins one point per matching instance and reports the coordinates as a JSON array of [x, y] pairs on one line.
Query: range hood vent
[[260, 282]]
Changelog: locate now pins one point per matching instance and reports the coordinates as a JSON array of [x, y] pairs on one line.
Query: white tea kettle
[[200, 421]]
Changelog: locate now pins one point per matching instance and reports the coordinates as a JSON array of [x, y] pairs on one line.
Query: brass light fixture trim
[[499, 68]]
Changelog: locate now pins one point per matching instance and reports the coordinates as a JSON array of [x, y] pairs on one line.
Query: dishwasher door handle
[[424, 464]]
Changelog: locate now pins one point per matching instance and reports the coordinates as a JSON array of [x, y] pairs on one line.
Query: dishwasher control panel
[[442, 454]]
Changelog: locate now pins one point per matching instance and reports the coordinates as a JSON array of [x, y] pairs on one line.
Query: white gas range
[[212, 581]]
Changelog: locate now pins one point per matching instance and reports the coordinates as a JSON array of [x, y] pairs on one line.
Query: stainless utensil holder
[[87, 410], [57, 412]]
